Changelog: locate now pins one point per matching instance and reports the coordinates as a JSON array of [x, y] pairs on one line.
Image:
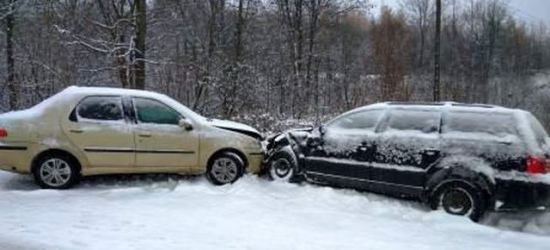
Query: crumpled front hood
[[298, 135], [235, 127]]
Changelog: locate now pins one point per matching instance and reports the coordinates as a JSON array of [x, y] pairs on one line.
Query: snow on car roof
[[108, 91], [72, 90], [69, 92]]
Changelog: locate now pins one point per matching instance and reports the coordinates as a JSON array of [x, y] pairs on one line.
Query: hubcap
[[224, 170], [457, 201], [55, 172], [281, 169]]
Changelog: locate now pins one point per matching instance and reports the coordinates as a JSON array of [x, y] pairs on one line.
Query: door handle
[[431, 152], [507, 143], [77, 131], [363, 147], [145, 135]]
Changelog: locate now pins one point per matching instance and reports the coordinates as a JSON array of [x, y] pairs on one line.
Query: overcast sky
[[528, 10]]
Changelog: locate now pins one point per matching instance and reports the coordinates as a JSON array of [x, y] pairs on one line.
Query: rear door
[[99, 129], [408, 145], [160, 141], [345, 151]]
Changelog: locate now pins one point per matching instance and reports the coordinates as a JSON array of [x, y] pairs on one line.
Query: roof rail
[[417, 103], [454, 104], [474, 105]]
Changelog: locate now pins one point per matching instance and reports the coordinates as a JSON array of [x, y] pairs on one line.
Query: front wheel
[[459, 198], [282, 167], [225, 168]]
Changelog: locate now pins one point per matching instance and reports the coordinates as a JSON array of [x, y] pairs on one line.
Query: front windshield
[[188, 113]]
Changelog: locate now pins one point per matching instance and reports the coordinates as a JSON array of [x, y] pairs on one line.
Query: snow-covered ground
[[179, 213]]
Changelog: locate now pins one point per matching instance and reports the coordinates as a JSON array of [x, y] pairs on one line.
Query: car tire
[[460, 198], [225, 168], [56, 171], [283, 167]]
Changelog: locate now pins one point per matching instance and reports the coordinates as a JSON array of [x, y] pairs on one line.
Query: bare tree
[[138, 61], [9, 9], [390, 54]]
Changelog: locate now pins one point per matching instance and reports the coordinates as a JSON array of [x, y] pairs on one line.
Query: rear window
[[540, 134], [100, 108], [496, 124]]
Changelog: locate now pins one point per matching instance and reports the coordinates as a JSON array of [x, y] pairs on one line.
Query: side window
[[360, 120], [495, 124], [425, 121], [101, 108], [151, 111], [540, 134]]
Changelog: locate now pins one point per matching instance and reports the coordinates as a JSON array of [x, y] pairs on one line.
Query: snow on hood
[[235, 127]]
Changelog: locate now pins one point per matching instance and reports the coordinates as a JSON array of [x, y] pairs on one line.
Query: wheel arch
[[54, 151], [230, 150], [461, 171]]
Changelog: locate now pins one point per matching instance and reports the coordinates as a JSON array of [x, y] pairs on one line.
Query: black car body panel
[[384, 160]]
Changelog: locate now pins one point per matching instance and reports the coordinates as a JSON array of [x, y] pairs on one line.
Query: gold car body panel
[[167, 145], [117, 147], [103, 144], [215, 139]]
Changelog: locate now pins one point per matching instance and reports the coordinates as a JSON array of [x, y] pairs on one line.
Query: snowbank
[[175, 213]]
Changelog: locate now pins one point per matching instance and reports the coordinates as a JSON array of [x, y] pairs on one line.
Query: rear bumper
[[522, 194], [14, 159]]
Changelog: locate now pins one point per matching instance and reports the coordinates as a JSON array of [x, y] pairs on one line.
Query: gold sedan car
[[84, 131]]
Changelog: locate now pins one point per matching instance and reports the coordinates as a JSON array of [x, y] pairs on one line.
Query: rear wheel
[[56, 171], [459, 198], [225, 168]]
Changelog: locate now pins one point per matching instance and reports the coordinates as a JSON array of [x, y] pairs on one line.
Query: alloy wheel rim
[[281, 169], [55, 172], [224, 170]]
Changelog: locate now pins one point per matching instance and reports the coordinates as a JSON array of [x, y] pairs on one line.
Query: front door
[[160, 142], [345, 150], [98, 128]]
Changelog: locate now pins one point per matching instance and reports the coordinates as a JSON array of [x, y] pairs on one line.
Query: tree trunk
[[437, 66], [235, 71], [141, 32], [12, 86]]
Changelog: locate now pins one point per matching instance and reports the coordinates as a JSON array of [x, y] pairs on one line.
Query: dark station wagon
[[464, 158]]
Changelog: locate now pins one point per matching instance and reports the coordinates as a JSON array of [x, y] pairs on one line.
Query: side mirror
[[430, 129], [185, 124]]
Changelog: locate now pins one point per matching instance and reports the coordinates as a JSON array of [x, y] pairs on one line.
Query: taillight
[[3, 132], [536, 165]]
